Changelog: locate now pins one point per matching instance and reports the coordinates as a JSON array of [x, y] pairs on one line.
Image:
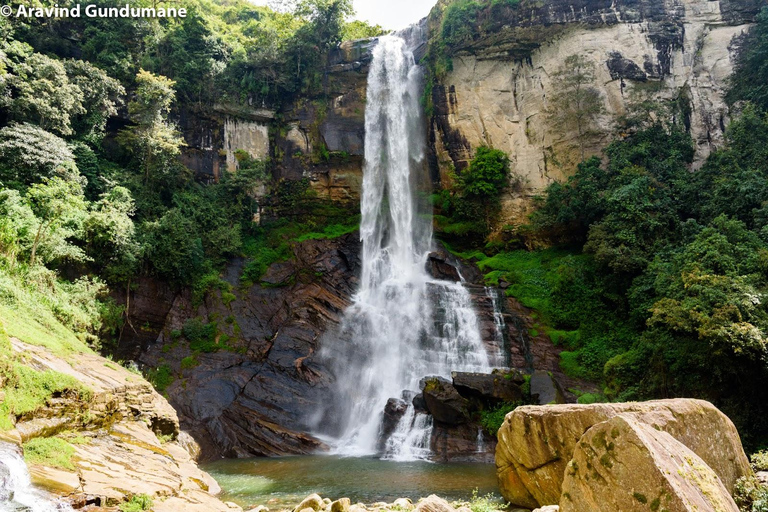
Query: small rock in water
[[326, 501], [548, 508], [313, 502], [260, 508], [403, 503], [357, 507], [434, 503], [340, 505]]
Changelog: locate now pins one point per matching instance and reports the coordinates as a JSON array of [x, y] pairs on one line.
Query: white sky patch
[[390, 14]]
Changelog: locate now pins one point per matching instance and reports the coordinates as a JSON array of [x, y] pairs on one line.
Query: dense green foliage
[[93, 194], [750, 79], [466, 209]]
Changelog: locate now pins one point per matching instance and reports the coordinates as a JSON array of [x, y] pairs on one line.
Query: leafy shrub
[[160, 377], [201, 336], [750, 495], [492, 419]]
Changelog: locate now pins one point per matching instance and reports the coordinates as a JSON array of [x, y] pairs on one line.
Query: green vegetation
[[49, 451], [654, 285], [87, 208], [465, 210], [750, 495], [492, 419], [487, 503], [137, 503]]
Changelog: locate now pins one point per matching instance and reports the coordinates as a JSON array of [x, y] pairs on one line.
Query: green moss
[[492, 419], [189, 362], [49, 451]]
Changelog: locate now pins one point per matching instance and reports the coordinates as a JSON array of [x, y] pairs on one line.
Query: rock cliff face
[[255, 395], [502, 85]]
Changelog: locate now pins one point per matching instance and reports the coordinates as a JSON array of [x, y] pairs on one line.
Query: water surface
[[284, 481]]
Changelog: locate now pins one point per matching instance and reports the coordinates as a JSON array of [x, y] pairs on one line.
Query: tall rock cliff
[[502, 86]]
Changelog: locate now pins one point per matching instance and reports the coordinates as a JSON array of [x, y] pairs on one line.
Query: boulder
[[487, 386], [535, 443], [548, 508], [341, 505], [545, 389], [393, 412], [312, 502], [434, 503], [419, 404], [439, 268], [624, 464], [443, 402]]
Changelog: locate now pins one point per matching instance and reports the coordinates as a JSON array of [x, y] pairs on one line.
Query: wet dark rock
[[419, 404], [438, 268], [444, 403], [545, 389], [256, 397], [486, 387], [459, 443], [393, 413]]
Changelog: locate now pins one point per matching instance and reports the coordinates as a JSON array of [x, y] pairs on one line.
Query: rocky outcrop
[[114, 438], [625, 464], [502, 83], [255, 395], [444, 402], [536, 443]]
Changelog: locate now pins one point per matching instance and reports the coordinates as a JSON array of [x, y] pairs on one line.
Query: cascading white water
[[16, 491], [500, 326], [403, 325]]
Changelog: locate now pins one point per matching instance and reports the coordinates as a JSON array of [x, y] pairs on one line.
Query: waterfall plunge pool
[[282, 482]]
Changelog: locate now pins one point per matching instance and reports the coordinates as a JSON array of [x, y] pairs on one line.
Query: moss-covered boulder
[[537, 442], [624, 464]]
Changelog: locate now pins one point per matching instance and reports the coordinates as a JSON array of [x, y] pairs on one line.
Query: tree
[[100, 96], [152, 138], [60, 209], [749, 81], [576, 104], [37, 89], [110, 234], [29, 153]]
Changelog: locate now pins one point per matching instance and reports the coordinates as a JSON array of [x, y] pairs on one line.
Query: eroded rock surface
[[117, 452], [624, 464], [537, 442]]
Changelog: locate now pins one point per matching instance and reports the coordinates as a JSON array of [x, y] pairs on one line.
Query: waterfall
[[497, 358], [16, 491], [403, 325]]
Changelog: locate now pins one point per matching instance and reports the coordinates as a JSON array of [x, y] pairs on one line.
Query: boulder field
[[673, 455]]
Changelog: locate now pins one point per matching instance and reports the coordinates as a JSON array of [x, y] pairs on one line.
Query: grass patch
[[160, 377], [189, 362], [53, 452], [137, 503]]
